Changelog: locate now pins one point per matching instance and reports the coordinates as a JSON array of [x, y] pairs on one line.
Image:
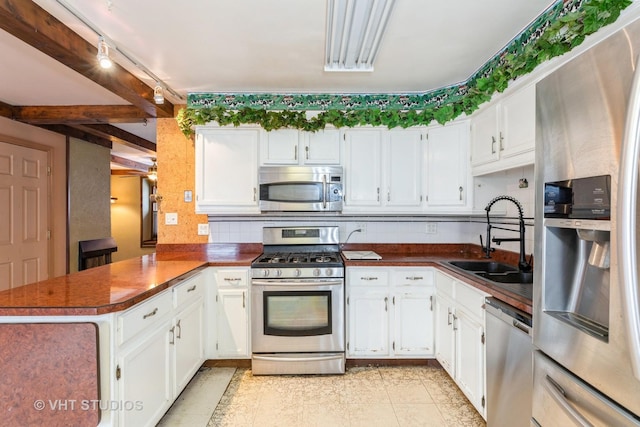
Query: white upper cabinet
[[362, 169], [503, 133], [448, 181], [227, 170], [383, 170], [293, 147]]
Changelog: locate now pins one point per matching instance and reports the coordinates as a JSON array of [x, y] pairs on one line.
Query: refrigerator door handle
[[558, 394], [626, 219]]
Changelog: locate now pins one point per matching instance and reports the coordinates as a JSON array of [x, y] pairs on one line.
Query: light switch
[[203, 229], [188, 196], [171, 218]]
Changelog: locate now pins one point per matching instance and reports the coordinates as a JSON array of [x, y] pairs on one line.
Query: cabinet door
[[368, 330], [279, 147], [445, 335], [470, 358], [188, 344], [146, 379], [227, 170], [413, 320], [518, 117], [447, 165], [362, 168], [321, 147], [233, 323], [403, 171], [484, 137]]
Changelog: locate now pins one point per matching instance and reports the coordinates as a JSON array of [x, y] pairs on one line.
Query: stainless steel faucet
[[523, 265]]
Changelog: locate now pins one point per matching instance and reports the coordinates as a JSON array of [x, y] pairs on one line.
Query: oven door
[[297, 316]]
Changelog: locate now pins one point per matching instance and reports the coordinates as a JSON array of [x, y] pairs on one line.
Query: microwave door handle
[[324, 191], [626, 229]]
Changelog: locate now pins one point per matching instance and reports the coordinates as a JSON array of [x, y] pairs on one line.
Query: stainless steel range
[[297, 303]]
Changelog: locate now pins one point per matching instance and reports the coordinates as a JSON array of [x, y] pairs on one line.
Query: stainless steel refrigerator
[[586, 293]]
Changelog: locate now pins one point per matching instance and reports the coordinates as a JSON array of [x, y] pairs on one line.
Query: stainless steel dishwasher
[[509, 365]]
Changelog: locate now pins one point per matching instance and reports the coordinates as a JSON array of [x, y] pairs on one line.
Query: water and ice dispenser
[[577, 241]]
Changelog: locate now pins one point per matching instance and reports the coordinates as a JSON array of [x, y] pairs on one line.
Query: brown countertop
[[436, 255], [120, 285]]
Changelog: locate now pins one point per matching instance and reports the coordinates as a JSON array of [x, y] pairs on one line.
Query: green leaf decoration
[[561, 28]]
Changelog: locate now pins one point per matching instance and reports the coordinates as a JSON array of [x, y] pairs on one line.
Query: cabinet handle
[[306, 152], [378, 190], [255, 191], [388, 195], [295, 153], [493, 145], [449, 316], [191, 289], [386, 301], [232, 279], [243, 299], [179, 329], [431, 303], [501, 139], [173, 335], [414, 278], [152, 313], [460, 190], [368, 278]]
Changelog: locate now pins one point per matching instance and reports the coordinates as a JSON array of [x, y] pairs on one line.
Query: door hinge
[[118, 372], [48, 234], [482, 338], [431, 302], [216, 297], [347, 300], [393, 345], [216, 346], [48, 170], [483, 401], [347, 345]]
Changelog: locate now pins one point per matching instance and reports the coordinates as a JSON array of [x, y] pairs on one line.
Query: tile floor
[[364, 396]]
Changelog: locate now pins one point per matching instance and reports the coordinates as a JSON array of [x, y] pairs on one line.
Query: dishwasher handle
[[509, 314]]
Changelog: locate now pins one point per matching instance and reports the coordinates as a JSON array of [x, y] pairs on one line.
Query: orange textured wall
[[176, 173]]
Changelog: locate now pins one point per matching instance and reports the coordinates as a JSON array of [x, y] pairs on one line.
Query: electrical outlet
[[171, 218], [203, 229], [431, 228], [362, 226]]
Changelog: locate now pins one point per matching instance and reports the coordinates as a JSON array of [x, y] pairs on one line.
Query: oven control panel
[[295, 273]]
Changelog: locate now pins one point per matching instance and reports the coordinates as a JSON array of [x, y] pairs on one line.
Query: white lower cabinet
[[459, 327], [160, 349], [232, 308], [389, 312]]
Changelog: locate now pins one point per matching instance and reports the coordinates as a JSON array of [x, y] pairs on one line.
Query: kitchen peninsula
[[79, 334]]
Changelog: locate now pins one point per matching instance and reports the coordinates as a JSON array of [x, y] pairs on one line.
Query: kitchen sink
[[483, 266], [508, 277]]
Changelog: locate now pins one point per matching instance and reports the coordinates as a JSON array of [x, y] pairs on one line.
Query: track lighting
[[103, 53], [158, 94]]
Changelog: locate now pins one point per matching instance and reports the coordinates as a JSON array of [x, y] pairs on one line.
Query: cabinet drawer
[[411, 277], [189, 290], [471, 298], [232, 278], [146, 314], [368, 277]]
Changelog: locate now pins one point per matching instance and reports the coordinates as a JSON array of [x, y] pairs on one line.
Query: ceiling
[[225, 46]]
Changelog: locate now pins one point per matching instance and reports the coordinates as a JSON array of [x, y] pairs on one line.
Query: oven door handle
[[297, 359], [299, 283]]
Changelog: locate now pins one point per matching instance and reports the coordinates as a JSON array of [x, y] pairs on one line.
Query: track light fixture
[[103, 53], [158, 94]]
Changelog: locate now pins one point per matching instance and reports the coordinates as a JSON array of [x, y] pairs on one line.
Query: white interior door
[[23, 215]]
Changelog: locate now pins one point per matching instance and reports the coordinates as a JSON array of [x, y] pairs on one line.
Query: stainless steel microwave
[[301, 188]]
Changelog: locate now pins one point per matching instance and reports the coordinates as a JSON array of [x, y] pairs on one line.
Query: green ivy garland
[[559, 37]]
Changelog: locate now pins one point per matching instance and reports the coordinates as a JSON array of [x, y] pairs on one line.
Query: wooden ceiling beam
[[79, 114], [115, 134], [128, 163], [36, 27], [79, 134], [7, 110]]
